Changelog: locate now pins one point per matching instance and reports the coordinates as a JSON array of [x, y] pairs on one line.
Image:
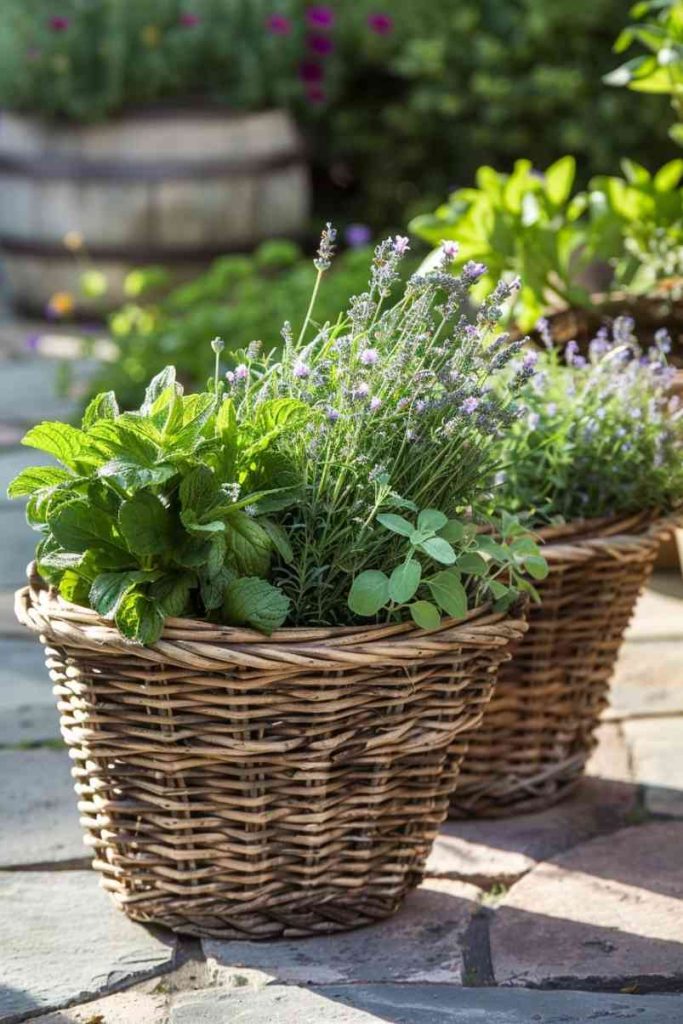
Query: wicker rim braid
[[538, 730], [240, 786]]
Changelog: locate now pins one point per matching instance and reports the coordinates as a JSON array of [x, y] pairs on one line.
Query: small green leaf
[[248, 546], [438, 549], [130, 475], [200, 492], [395, 523], [491, 547], [279, 539], [369, 593], [454, 531], [172, 592], [157, 385], [102, 407], [449, 593], [404, 581], [65, 442], [425, 615], [77, 526], [536, 566], [109, 588], [139, 618], [255, 602], [431, 520], [498, 589], [144, 523], [37, 478], [472, 564]]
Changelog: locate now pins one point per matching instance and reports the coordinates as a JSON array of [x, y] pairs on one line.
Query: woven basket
[[242, 787], [538, 730]]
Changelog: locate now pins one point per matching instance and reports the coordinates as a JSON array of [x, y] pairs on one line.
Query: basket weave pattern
[[244, 787], [538, 730]]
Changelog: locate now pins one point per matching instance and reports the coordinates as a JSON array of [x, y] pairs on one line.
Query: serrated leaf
[[404, 581], [255, 602], [449, 593], [133, 477], [75, 588], [425, 615], [395, 523], [192, 552], [438, 549], [213, 587], [139, 617], [369, 592], [109, 588], [431, 520], [157, 385], [248, 546], [144, 524], [66, 443], [102, 407], [58, 559], [472, 564], [172, 592], [77, 526], [200, 492], [37, 478]]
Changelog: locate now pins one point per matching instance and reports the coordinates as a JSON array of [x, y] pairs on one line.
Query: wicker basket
[[242, 787], [538, 730]]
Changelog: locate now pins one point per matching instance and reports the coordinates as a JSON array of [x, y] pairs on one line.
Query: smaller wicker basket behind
[[538, 730]]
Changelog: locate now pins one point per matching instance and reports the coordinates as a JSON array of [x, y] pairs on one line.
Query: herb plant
[[602, 436]]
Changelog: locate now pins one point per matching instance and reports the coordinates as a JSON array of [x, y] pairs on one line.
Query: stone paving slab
[[605, 914], [656, 746], [500, 850], [17, 545], [27, 708], [38, 815], [421, 943], [418, 1004], [648, 680], [659, 612], [64, 942], [123, 1008]]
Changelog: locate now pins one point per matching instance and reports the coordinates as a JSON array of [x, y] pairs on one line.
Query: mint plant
[[163, 511]]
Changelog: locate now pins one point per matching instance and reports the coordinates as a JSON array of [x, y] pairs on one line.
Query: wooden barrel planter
[[164, 187]]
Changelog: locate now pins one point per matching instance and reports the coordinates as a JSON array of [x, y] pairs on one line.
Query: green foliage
[[602, 437], [658, 28], [240, 298], [157, 512]]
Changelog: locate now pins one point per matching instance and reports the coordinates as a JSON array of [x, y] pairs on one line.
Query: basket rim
[[616, 529], [98, 632]]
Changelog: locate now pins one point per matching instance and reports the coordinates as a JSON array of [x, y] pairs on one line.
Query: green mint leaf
[[109, 589], [130, 475], [37, 478], [75, 588], [255, 602], [438, 549], [490, 547], [449, 593], [197, 411], [248, 546], [216, 556], [498, 589], [369, 593], [58, 559], [144, 524], [139, 618], [172, 592], [192, 552], [157, 385], [431, 520], [425, 615], [102, 407], [404, 581], [200, 492], [213, 587], [66, 443], [395, 523], [77, 526], [536, 566], [279, 540], [472, 564]]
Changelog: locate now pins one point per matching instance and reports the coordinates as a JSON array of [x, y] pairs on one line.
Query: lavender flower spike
[[325, 254], [401, 245]]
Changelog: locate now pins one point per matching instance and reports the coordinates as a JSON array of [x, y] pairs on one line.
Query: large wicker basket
[[538, 730], [237, 786]]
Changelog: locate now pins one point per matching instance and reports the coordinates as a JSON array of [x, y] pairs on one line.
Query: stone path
[[571, 915]]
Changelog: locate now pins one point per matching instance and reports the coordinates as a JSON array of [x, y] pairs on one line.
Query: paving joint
[[477, 964]]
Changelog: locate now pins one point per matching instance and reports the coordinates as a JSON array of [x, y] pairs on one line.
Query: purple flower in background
[[310, 71], [551, 408], [241, 372], [32, 342], [375, 403], [58, 23], [450, 249], [381, 23], [369, 356], [278, 24], [530, 360], [362, 391], [322, 45], [230, 376], [301, 370], [473, 271], [320, 16], [189, 20], [332, 415], [315, 94], [357, 235], [533, 420], [470, 405], [401, 245]]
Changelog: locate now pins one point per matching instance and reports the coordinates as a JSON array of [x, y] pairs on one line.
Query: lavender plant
[[405, 418], [602, 435]]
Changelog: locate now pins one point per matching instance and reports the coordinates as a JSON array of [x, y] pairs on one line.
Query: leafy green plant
[[525, 223], [164, 511], [658, 27], [602, 436]]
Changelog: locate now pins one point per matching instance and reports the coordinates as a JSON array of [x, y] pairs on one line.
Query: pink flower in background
[[320, 16], [315, 94], [310, 71], [278, 24], [189, 20], [58, 23], [382, 24], [321, 45]]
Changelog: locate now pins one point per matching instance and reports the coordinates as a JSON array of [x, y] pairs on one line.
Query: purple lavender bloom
[[530, 360], [420, 406], [320, 16], [362, 391], [450, 249], [301, 370], [230, 376], [241, 372], [663, 340], [357, 235], [543, 328], [470, 405], [533, 420], [551, 408], [472, 271], [332, 414], [401, 245], [375, 403], [369, 356]]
